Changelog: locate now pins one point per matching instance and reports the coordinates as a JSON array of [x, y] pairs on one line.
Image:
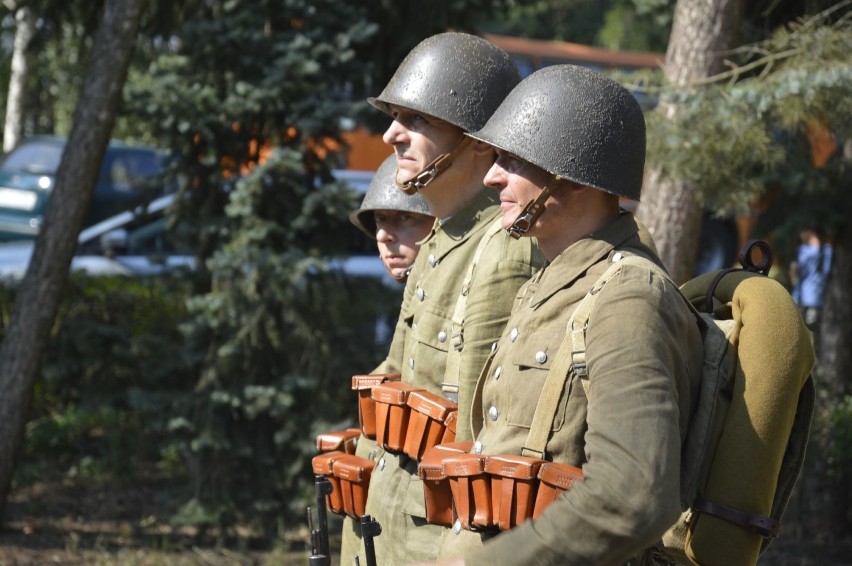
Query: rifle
[[319, 536], [370, 528]]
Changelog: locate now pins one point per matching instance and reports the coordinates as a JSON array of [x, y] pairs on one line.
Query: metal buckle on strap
[[450, 391]]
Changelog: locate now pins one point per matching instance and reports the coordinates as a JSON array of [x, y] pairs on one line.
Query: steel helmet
[[576, 124], [457, 77], [383, 194]]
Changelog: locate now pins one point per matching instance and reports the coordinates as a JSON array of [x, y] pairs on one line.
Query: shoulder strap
[[571, 356], [450, 386]]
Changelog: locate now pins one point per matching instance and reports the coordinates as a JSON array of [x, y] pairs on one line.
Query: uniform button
[[477, 447], [457, 528], [421, 294], [513, 335], [492, 413], [493, 346], [381, 463], [540, 357], [432, 261], [411, 363], [497, 372], [442, 336]]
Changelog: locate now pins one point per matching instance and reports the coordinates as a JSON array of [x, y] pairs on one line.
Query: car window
[[126, 170], [37, 158]]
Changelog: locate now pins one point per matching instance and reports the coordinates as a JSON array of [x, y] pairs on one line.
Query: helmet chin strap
[[532, 211], [435, 168]]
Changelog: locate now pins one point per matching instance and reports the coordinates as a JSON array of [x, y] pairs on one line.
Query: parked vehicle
[[133, 243], [139, 242], [128, 175]]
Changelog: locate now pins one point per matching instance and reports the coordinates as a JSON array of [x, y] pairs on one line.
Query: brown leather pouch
[[322, 464], [343, 440], [554, 480], [471, 489], [363, 384], [392, 413], [426, 422], [353, 473], [450, 424], [514, 481], [436, 485]]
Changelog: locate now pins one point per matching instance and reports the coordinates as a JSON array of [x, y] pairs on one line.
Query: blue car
[[128, 175]]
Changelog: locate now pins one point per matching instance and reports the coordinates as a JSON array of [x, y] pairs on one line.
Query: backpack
[[748, 431], [747, 437]]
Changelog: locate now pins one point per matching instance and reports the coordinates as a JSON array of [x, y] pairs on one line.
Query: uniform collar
[[580, 257], [472, 218]]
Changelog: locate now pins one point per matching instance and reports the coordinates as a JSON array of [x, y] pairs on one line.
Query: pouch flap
[[562, 476], [393, 393], [461, 465], [431, 467], [430, 404], [322, 463], [353, 468], [371, 380], [508, 466], [335, 440]]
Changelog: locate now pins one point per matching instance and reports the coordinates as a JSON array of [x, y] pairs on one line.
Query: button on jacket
[[422, 339], [644, 354]]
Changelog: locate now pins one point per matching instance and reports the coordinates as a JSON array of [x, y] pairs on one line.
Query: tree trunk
[[40, 292], [21, 63], [832, 375], [701, 32]]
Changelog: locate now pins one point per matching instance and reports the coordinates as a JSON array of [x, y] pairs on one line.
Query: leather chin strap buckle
[[435, 168], [531, 211]]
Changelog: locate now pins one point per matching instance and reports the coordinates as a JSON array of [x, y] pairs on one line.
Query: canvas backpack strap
[[571, 357], [450, 386]]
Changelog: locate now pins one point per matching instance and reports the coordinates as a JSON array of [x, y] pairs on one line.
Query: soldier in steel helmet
[[569, 143], [459, 293], [395, 220]]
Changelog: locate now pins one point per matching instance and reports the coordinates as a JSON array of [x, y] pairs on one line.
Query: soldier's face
[[418, 139], [397, 234], [519, 182]]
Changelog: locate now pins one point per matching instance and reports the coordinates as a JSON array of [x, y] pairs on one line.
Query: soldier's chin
[[399, 274]]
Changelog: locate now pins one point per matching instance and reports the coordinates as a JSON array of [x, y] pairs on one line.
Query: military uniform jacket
[[424, 332], [644, 355], [419, 351]]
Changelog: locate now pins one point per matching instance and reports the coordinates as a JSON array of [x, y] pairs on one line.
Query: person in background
[[395, 220], [569, 143], [809, 273]]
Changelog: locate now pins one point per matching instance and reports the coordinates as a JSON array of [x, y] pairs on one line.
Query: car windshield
[[37, 158]]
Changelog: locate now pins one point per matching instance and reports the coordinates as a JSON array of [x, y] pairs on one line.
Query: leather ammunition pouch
[[364, 384], [489, 492], [428, 423], [349, 476], [471, 490], [554, 480], [339, 440], [392, 412], [323, 464], [353, 474], [436, 484], [514, 483]]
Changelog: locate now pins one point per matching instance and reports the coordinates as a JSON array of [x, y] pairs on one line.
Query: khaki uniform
[[419, 351], [644, 354]]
